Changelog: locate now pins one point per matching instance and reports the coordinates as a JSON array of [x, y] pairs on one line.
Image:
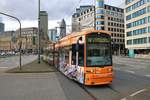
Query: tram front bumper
[[98, 79]]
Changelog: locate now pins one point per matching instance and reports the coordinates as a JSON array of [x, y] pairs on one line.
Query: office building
[[62, 29], [83, 18], [99, 15], [137, 38], [44, 25], [107, 18], [28, 38], [2, 27], [114, 23], [6, 43], [52, 35]]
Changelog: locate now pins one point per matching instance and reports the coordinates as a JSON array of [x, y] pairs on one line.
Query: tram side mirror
[[78, 43]]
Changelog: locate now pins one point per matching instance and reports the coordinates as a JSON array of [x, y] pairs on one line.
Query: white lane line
[[135, 93], [129, 71], [123, 99], [147, 75], [117, 68], [3, 67]]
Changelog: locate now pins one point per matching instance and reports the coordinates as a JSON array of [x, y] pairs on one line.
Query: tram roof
[[71, 38]]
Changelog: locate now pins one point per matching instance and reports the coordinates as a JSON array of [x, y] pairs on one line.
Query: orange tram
[[86, 57]]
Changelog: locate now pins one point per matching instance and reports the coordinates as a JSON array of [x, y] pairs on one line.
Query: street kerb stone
[[33, 67]]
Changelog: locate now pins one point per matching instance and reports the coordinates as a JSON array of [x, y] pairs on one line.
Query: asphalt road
[[127, 85], [134, 66], [131, 82], [11, 62]]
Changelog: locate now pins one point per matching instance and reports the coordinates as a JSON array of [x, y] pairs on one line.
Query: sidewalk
[[34, 82], [33, 67]]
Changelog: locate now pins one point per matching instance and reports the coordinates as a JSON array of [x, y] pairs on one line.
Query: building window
[[117, 25], [149, 19], [112, 13], [148, 8], [129, 33], [128, 1], [99, 11], [100, 16], [111, 24], [136, 5], [108, 12], [149, 29], [117, 30], [128, 17], [137, 23], [140, 31], [129, 42], [138, 13], [103, 28], [140, 41], [100, 22], [100, 4], [117, 20], [129, 25]]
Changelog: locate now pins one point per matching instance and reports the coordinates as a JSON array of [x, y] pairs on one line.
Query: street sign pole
[[20, 42], [39, 33]]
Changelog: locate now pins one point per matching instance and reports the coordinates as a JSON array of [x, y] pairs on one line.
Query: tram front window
[[98, 50], [98, 55]]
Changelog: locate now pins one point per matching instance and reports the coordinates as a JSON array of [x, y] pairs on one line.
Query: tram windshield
[[98, 50]]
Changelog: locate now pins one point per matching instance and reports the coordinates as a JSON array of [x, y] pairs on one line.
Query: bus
[[86, 57]]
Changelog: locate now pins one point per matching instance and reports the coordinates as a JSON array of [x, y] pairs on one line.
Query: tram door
[[78, 61]]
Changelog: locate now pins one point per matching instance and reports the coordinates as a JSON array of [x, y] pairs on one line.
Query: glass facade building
[[2, 26], [137, 22], [99, 14]]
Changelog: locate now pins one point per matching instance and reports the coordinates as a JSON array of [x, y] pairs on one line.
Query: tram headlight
[[87, 79], [92, 71], [110, 69]]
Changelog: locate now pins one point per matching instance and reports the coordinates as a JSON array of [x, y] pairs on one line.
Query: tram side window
[[81, 55], [67, 56], [73, 54]]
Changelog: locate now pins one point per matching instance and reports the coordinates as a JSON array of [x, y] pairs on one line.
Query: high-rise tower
[[2, 26], [99, 14]]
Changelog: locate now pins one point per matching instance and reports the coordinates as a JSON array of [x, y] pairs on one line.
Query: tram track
[[80, 85], [88, 92], [84, 87]]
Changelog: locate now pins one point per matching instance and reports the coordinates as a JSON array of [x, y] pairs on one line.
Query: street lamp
[[39, 32], [19, 36]]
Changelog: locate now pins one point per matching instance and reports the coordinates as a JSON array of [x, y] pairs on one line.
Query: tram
[[86, 57]]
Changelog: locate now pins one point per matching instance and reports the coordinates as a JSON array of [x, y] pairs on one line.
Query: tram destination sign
[[98, 40]]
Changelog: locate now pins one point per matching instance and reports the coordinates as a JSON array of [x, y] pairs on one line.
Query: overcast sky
[[27, 10]]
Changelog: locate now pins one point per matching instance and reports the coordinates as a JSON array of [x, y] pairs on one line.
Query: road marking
[[135, 93], [147, 75], [117, 68], [130, 71], [123, 99], [4, 67]]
